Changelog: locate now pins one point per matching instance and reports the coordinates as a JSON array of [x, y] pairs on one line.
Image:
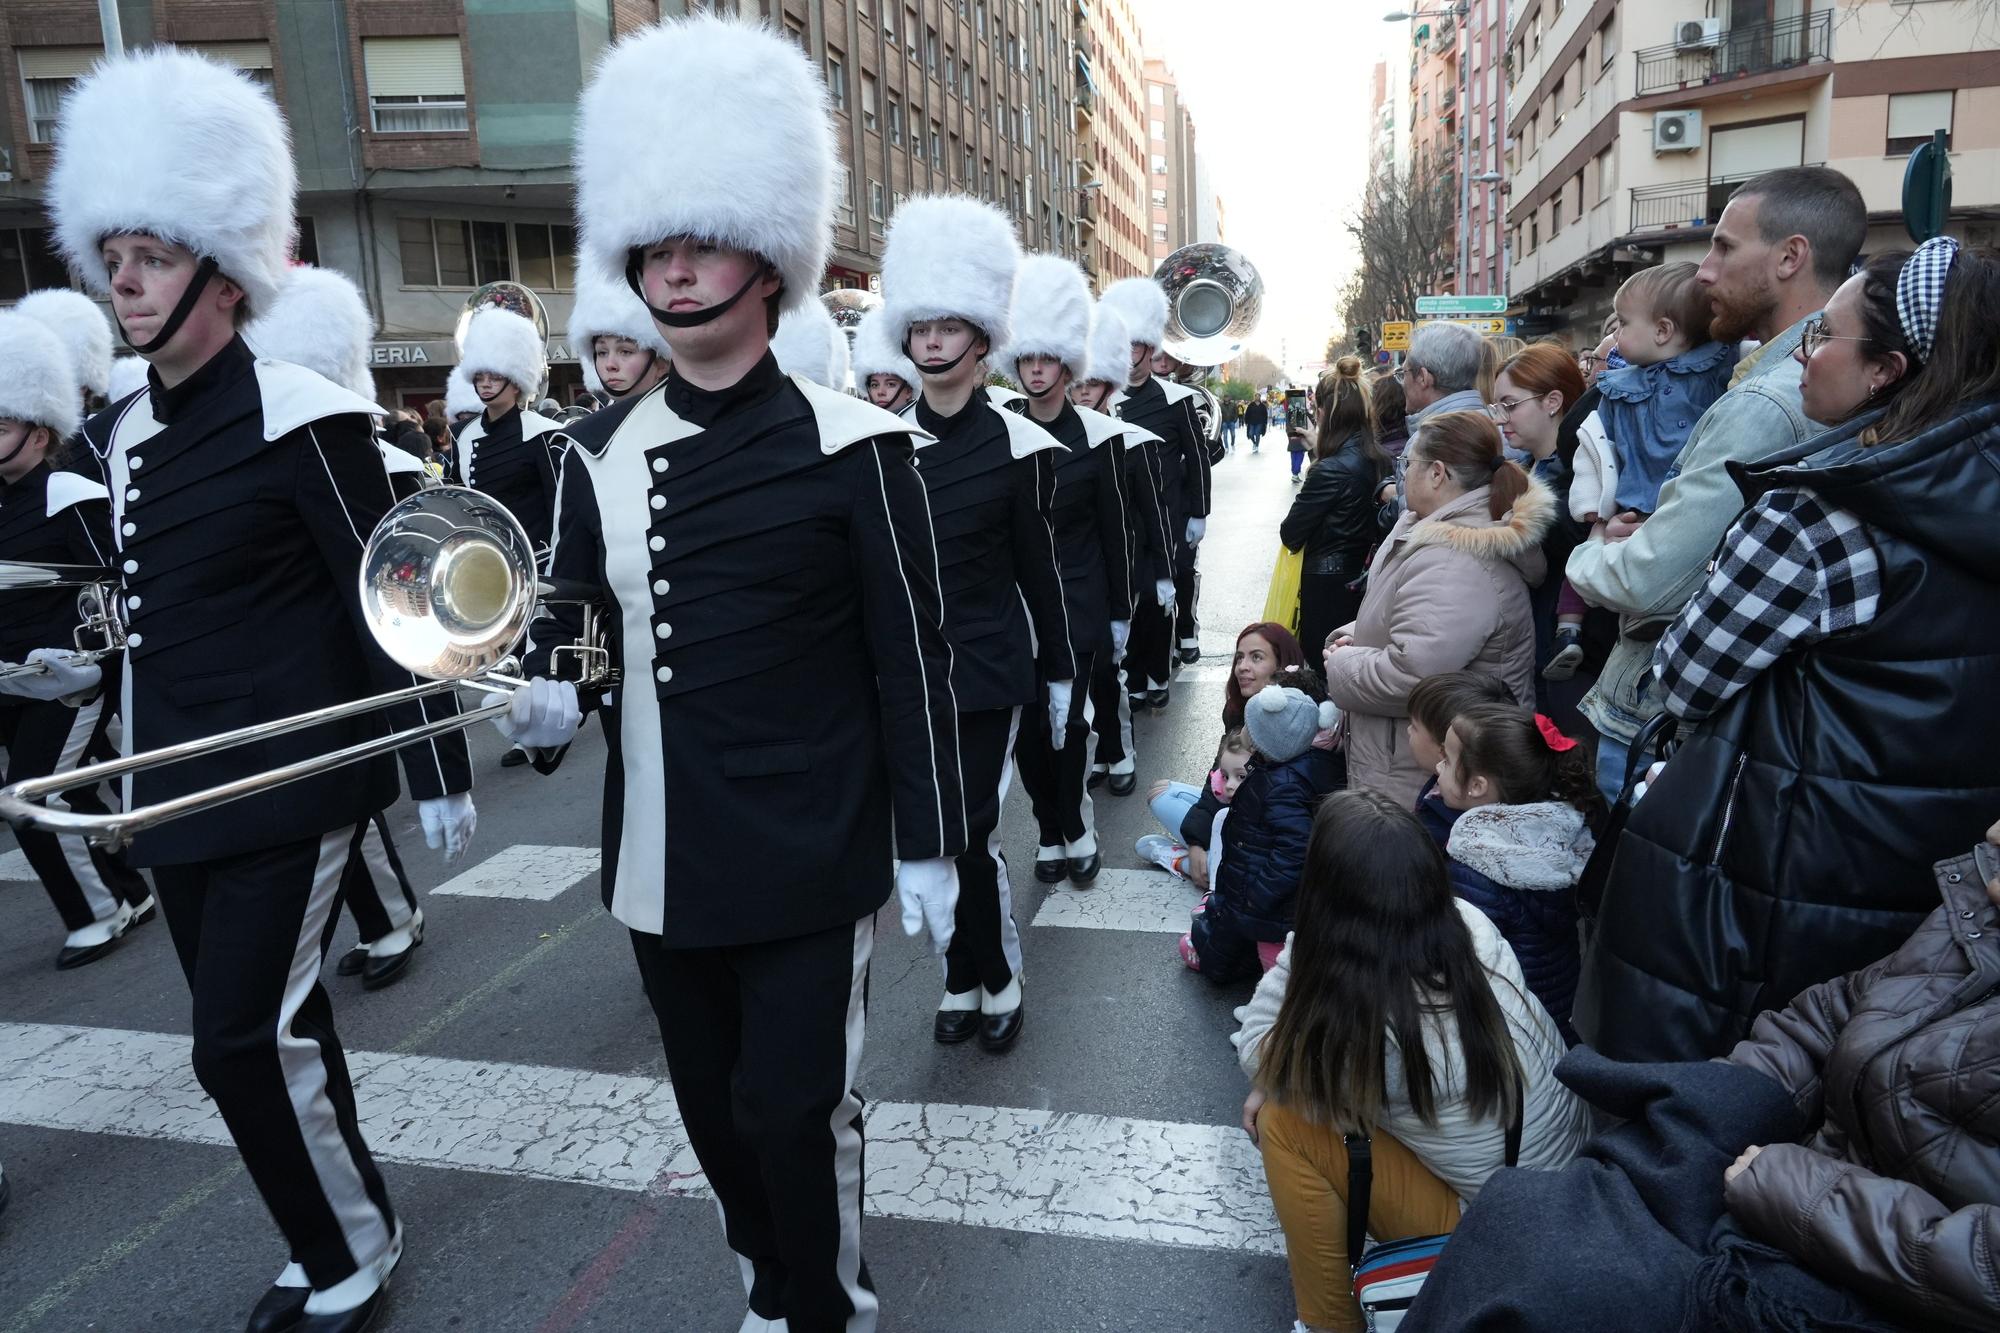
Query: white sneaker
[[1163, 852]]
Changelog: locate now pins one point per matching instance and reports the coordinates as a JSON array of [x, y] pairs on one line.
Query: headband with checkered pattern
[[1920, 291]]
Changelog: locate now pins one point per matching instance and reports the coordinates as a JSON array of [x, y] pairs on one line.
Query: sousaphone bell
[[1214, 298]]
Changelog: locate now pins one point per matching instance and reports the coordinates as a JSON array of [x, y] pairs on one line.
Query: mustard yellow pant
[[1306, 1166]]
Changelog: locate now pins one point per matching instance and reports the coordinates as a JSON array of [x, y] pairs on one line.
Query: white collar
[[294, 396], [70, 488], [1099, 427]]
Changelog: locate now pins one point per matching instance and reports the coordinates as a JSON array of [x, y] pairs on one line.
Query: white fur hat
[[75, 318], [950, 257], [713, 128], [1051, 314], [319, 321], [38, 383], [169, 143], [603, 307], [459, 395], [809, 343], [1110, 348], [501, 342], [876, 353], [128, 376], [1142, 303]]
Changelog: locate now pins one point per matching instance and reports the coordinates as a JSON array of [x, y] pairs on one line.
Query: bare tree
[[1404, 231], [1257, 370]]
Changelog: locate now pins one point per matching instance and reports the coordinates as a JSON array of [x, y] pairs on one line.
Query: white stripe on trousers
[[361, 1223], [382, 876], [76, 853], [1010, 934], [847, 1139]]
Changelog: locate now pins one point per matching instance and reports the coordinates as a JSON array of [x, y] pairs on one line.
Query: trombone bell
[[448, 583]]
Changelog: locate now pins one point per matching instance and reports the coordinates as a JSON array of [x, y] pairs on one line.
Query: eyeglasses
[[1815, 337], [1586, 360], [1504, 408]]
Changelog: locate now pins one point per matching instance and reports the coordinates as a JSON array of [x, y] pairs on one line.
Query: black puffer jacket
[[1264, 839], [1332, 519]]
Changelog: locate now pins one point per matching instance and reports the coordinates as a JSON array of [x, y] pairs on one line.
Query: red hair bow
[[1552, 735]]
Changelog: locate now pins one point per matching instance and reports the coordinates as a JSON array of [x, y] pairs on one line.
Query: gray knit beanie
[[1283, 721]]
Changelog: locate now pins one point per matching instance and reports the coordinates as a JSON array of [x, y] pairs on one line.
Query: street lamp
[[1459, 11], [1493, 178]]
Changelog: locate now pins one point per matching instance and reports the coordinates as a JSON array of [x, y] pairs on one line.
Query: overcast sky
[[1279, 91]]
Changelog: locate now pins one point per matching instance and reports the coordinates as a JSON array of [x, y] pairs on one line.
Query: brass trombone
[[100, 622], [448, 588]]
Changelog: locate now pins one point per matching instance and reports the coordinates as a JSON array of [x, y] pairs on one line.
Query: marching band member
[[128, 376], [883, 370], [51, 515], [809, 343], [173, 192], [461, 401], [1049, 352], [948, 270], [1171, 370], [616, 342], [1180, 465], [765, 554], [84, 332]]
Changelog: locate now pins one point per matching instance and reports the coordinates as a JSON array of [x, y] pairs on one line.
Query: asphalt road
[[1091, 1179]]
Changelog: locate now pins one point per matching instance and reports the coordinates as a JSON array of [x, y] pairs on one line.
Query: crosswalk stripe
[[524, 871], [1121, 899], [14, 868], [1017, 1169]]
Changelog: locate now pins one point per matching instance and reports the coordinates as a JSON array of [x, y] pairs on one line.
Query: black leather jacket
[[1332, 519]]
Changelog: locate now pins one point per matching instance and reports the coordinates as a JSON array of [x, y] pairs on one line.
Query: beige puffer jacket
[[1447, 593]]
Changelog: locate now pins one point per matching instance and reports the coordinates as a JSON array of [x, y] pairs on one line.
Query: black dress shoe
[[952, 1026], [279, 1310], [1157, 698], [68, 957], [1051, 872], [1094, 781], [998, 1031], [360, 1318], [379, 972], [513, 758], [1189, 656], [1141, 701], [352, 962], [1084, 869], [1123, 783]]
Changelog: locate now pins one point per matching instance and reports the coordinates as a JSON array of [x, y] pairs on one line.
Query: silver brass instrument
[[847, 305], [1214, 296], [100, 620], [448, 588]]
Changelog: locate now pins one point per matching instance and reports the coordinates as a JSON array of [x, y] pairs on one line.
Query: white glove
[[1121, 634], [929, 890], [448, 823], [1059, 700], [1163, 593], [1196, 529], [542, 716], [1645, 784], [65, 677]]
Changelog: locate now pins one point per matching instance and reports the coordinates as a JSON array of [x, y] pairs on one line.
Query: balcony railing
[[1755, 48], [1684, 205]]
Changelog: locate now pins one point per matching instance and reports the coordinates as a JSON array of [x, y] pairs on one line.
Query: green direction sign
[[1461, 305], [1926, 191]]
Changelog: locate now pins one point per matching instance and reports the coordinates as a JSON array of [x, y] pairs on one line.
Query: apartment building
[[1111, 148], [1170, 165], [433, 136], [1456, 71], [1632, 124]]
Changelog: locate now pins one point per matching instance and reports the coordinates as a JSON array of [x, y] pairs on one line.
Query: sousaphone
[[1214, 297]]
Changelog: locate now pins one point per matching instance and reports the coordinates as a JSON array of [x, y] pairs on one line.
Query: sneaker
[[1163, 852], [1187, 953], [1568, 655]]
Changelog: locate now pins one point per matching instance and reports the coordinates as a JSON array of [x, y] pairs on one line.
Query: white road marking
[[524, 871], [1205, 672], [14, 868], [1121, 899], [1041, 1171]]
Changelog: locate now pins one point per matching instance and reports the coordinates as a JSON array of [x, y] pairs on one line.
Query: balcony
[[1086, 211], [1738, 53], [1684, 205]]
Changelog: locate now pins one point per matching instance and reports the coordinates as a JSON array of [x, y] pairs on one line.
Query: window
[[937, 145], [1160, 232], [836, 79], [970, 177], [1156, 94], [930, 50], [965, 80], [1157, 128], [305, 243], [547, 255], [911, 30], [416, 85], [979, 18], [29, 262], [449, 252], [47, 73], [1159, 199], [253, 58], [986, 177], [869, 102], [1582, 84], [1912, 118], [796, 30], [1159, 165], [878, 211], [843, 196], [895, 120], [1607, 41], [1555, 214], [1607, 173], [985, 101], [889, 25]]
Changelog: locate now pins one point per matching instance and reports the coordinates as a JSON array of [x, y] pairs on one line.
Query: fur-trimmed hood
[[1111, 340], [38, 383], [1464, 526], [1542, 846], [76, 319], [319, 321], [604, 307], [707, 127], [809, 343], [950, 257], [501, 342], [1142, 304], [167, 142], [1051, 314]]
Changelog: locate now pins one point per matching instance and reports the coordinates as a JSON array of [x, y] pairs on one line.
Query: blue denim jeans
[[1172, 805]]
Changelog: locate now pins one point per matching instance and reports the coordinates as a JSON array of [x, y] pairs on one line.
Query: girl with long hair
[[1333, 518]]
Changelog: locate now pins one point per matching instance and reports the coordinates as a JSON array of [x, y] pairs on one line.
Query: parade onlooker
[[1440, 373], [1232, 416], [1448, 592], [1256, 419], [1171, 801], [1836, 1171], [1783, 243], [1332, 519], [1827, 676], [1395, 1010], [1392, 427], [1263, 834]]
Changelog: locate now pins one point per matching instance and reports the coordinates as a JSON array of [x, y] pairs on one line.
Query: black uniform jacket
[[513, 460], [1089, 519], [1169, 410], [991, 481], [49, 518], [241, 499], [786, 696]]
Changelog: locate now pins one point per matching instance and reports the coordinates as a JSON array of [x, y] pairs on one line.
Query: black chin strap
[[1055, 387], [15, 452], [652, 359], [941, 367], [185, 306], [684, 319]]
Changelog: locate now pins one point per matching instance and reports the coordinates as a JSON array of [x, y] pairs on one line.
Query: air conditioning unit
[[1697, 34], [1676, 131]]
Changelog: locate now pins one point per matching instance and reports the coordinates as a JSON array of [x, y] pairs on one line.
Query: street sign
[[1461, 305], [1926, 190], [1485, 328], [1396, 335]]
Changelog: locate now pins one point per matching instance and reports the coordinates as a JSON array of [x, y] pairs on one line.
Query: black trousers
[[1325, 604], [1149, 652], [985, 947], [1055, 779], [1112, 723], [1187, 595], [763, 1041], [85, 883], [252, 932], [375, 888]]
